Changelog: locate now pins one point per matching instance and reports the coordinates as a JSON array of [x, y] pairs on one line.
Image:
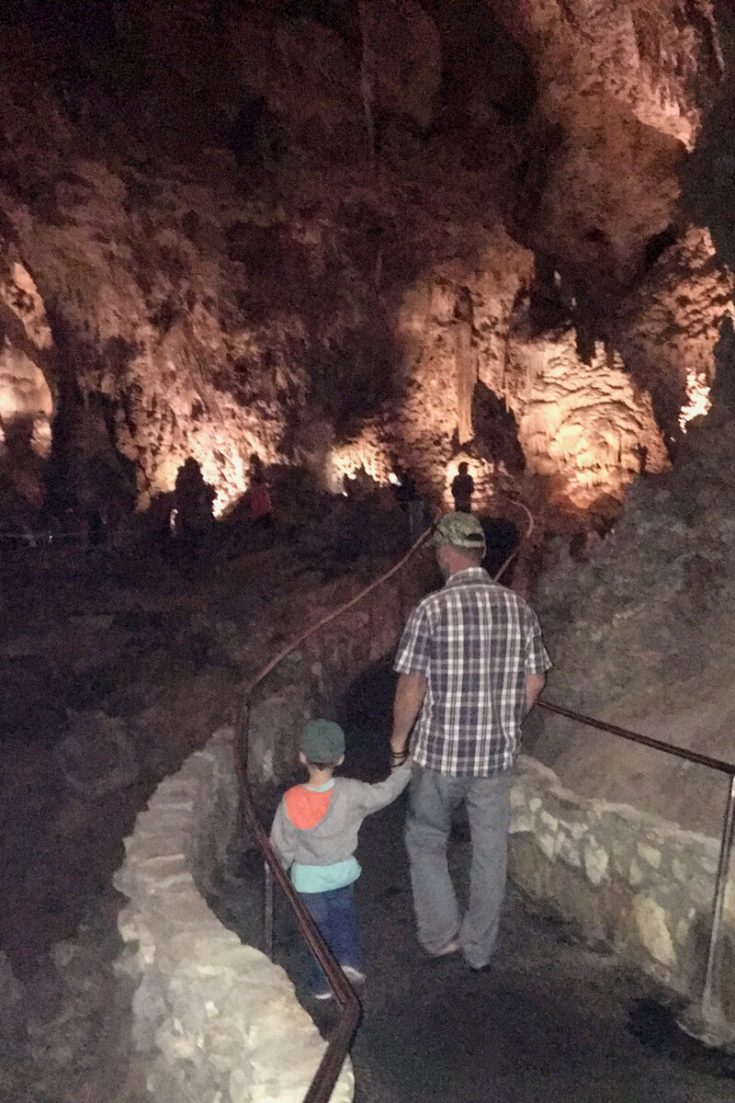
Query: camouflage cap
[[461, 530], [323, 741]]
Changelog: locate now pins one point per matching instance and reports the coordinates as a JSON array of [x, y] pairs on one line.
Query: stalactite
[[368, 63], [466, 364]]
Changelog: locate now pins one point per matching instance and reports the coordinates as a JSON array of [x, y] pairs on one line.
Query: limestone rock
[[288, 243], [97, 756], [11, 994], [650, 920]]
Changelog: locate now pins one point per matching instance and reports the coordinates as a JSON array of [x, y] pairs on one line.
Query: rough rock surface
[[328, 233], [642, 631]]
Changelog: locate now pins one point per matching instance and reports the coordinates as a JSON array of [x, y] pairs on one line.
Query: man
[[472, 664], [463, 487]]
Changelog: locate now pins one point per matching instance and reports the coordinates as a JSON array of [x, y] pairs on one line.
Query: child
[[314, 835]]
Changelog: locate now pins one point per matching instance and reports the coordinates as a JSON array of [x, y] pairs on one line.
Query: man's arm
[[410, 693], [534, 684]]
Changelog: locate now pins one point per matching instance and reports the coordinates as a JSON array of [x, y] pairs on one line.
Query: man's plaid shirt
[[475, 642]]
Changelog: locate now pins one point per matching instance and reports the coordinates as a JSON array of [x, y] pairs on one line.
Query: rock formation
[[344, 235], [642, 630]]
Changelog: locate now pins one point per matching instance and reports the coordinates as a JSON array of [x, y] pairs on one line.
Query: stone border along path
[[214, 1016], [552, 1020], [628, 878], [214, 1020]]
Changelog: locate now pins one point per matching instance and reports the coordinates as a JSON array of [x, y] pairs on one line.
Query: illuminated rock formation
[[348, 234], [642, 630], [583, 426], [26, 401]]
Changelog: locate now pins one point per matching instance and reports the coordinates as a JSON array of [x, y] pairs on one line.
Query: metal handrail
[[706, 1019], [645, 740], [334, 1056]]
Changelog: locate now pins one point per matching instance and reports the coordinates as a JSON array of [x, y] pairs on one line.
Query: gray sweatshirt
[[330, 823]]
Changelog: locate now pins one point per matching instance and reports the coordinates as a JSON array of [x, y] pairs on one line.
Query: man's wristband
[[397, 758]]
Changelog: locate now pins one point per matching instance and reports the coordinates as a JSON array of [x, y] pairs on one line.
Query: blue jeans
[[335, 916]]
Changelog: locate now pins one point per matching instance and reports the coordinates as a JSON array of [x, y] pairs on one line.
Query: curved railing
[[350, 1010], [705, 1019]]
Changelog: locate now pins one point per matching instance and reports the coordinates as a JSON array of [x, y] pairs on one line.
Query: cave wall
[[27, 400], [653, 603], [641, 632], [318, 230]]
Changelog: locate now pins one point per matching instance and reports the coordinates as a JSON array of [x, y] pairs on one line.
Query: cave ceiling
[[345, 234]]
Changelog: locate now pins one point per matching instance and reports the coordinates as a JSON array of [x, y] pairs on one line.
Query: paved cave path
[[554, 1020]]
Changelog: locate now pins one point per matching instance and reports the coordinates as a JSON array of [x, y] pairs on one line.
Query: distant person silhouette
[[193, 499], [260, 505], [410, 502], [463, 487], [641, 453], [256, 467]]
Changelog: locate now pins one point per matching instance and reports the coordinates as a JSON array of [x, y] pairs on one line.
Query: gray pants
[[433, 798]]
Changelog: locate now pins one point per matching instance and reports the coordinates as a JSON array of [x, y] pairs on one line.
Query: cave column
[[465, 359]]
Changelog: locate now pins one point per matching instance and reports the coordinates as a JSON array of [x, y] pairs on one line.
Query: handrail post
[[268, 911], [706, 1019], [712, 994]]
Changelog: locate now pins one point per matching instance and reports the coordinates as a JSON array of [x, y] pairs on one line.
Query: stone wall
[[211, 1015], [213, 1018], [633, 880]]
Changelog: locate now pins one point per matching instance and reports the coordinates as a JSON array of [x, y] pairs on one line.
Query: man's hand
[[410, 693], [534, 684]]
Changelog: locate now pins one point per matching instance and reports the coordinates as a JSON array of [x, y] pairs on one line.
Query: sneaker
[[353, 974], [479, 969]]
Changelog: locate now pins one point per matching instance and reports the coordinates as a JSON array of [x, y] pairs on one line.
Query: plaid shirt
[[475, 642]]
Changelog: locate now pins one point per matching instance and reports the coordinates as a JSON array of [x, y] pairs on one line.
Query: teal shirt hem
[[337, 875]]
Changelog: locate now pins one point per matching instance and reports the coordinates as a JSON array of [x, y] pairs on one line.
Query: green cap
[[461, 530], [323, 741]]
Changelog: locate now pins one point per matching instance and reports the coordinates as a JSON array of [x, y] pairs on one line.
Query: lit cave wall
[[26, 399], [347, 235]]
